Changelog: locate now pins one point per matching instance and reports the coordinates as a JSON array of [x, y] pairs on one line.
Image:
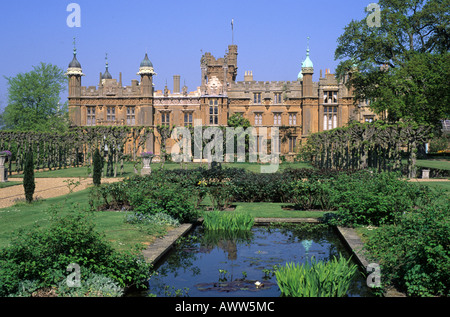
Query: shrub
[[97, 166], [366, 198], [43, 254], [414, 254], [28, 177], [318, 279]]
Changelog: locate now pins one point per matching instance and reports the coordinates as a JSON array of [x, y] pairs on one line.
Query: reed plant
[[227, 221], [316, 279]]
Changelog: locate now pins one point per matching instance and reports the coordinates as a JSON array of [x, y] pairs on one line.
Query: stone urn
[[146, 161]]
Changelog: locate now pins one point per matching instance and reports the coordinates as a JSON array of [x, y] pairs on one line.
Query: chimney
[[248, 76], [176, 84]]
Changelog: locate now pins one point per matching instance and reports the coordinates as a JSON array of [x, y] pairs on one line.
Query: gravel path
[[46, 188]]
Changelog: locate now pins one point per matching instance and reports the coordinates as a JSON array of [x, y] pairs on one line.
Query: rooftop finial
[[307, 46], [74, 46], [106, 60]]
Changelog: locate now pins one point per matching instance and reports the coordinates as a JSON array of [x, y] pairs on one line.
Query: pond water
[[205, 264]]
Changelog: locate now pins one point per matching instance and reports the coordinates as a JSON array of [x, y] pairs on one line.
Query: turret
[[146, 72]]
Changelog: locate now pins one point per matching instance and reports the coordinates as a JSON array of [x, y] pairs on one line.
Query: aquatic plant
[[228, 221], [316, 279]]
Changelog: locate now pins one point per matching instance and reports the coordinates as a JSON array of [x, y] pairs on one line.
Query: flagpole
[[232, 31]]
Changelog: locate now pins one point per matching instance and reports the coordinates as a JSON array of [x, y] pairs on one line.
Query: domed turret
[[146, 67], [74, 67], [146, 62], [106, 75]]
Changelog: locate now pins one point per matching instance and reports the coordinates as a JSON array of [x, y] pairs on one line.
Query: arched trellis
[[75, 147], [377, 145]]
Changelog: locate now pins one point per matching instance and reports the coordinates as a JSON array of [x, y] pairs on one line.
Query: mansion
[[299, 107]]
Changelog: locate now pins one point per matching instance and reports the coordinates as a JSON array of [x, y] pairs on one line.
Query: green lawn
[[438, 164], [445, 186], [275, 210], [24, 216], [10, 183], [129, 169]]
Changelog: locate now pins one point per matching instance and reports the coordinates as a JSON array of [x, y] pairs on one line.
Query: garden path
[[46, 188]]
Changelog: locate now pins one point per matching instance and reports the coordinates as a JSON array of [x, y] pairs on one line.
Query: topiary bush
[[97, 168], [28, 177]]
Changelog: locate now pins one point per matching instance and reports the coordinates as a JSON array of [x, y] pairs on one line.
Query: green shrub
[[43, 254], [366, 198], [97, 168], [28, 177], [414, 254], [318, 279]]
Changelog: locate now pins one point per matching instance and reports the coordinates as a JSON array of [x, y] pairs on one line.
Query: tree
[[28, 177], [98, 165], [34, 100], [403, 66]]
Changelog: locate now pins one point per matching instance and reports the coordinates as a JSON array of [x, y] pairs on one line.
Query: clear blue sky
[[271, 36]]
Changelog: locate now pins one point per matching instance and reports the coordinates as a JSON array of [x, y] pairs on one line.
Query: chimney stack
[[176, 84]]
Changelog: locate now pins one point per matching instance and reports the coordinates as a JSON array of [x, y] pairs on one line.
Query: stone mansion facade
[[300, 106]]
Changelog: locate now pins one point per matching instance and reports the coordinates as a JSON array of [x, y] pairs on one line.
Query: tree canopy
[[34, 100], [402, 67]]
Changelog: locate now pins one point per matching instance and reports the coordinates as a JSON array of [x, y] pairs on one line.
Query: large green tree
[[402, 66], [34, 100]]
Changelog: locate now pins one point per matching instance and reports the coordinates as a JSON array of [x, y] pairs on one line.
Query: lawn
[[129, 169], [10, 183], [123, 236], [275, 210], [437, 164]]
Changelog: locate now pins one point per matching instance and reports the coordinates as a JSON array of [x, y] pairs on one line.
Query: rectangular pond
[[207, 264]]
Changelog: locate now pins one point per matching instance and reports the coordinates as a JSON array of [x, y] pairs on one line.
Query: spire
[[307, 63], [106, 75], [74, 63]]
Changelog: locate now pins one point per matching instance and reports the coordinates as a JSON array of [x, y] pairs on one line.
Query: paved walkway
[[45, 188]]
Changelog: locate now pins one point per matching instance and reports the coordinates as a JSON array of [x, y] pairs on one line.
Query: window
[[277, 119], [292, 143], [258, 118], [110, 114], [213, 112], [277, 97], [165, 118], [368, 119], [292, 119], [90, 116], [187, 119], [257, 98], [330, 97], [329, 118], [130, 116]]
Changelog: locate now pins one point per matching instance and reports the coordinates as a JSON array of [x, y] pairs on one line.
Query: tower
[[307, 72], [146, 72], [309, 115], [74, 72]]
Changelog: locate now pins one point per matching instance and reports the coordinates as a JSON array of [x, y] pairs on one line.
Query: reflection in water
[[242, 264]]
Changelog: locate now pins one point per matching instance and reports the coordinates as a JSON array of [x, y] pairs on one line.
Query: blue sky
[[271, 36]]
